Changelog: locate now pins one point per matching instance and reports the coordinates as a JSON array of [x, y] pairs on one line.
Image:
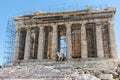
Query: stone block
[[119, 76], [115, 75], [117, 79], [106, 76]]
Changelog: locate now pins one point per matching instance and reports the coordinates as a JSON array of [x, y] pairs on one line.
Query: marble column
[[17, 46], [27, 45], [68, 41], [41, 43], [84, 51], [113, 44], [99, 42], [54, 40]]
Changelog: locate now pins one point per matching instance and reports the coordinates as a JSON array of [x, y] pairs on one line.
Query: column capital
[[28, 28], [111, 22], [98, 28], [68, 25], [20, 29], [83, 22], [54, 24], [41, 27], [112, 19]]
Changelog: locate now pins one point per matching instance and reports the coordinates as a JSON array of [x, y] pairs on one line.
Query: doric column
[[99, 42], [27, 45], [68, 41], [54, 40], [41, 43], [84, 51], [113, 45], [17, 46]]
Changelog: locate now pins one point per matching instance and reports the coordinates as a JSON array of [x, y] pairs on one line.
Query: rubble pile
[[43, 73], [68, 70]]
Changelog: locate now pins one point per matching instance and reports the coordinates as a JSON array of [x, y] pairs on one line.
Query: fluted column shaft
[[41, 43], [54, 40], [84, 51], [99, 42], [113, 45], [17, 46], [68, 41], [27, 45]]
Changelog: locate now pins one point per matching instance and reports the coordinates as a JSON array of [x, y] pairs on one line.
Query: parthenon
[[79, 34]]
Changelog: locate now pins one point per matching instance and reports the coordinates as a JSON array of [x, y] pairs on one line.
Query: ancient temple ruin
[[60, 45], [80, 34]]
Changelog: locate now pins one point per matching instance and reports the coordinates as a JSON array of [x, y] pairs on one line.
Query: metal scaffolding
[[10, 39]]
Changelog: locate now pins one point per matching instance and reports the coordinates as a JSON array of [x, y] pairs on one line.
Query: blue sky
[[10, 8]]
